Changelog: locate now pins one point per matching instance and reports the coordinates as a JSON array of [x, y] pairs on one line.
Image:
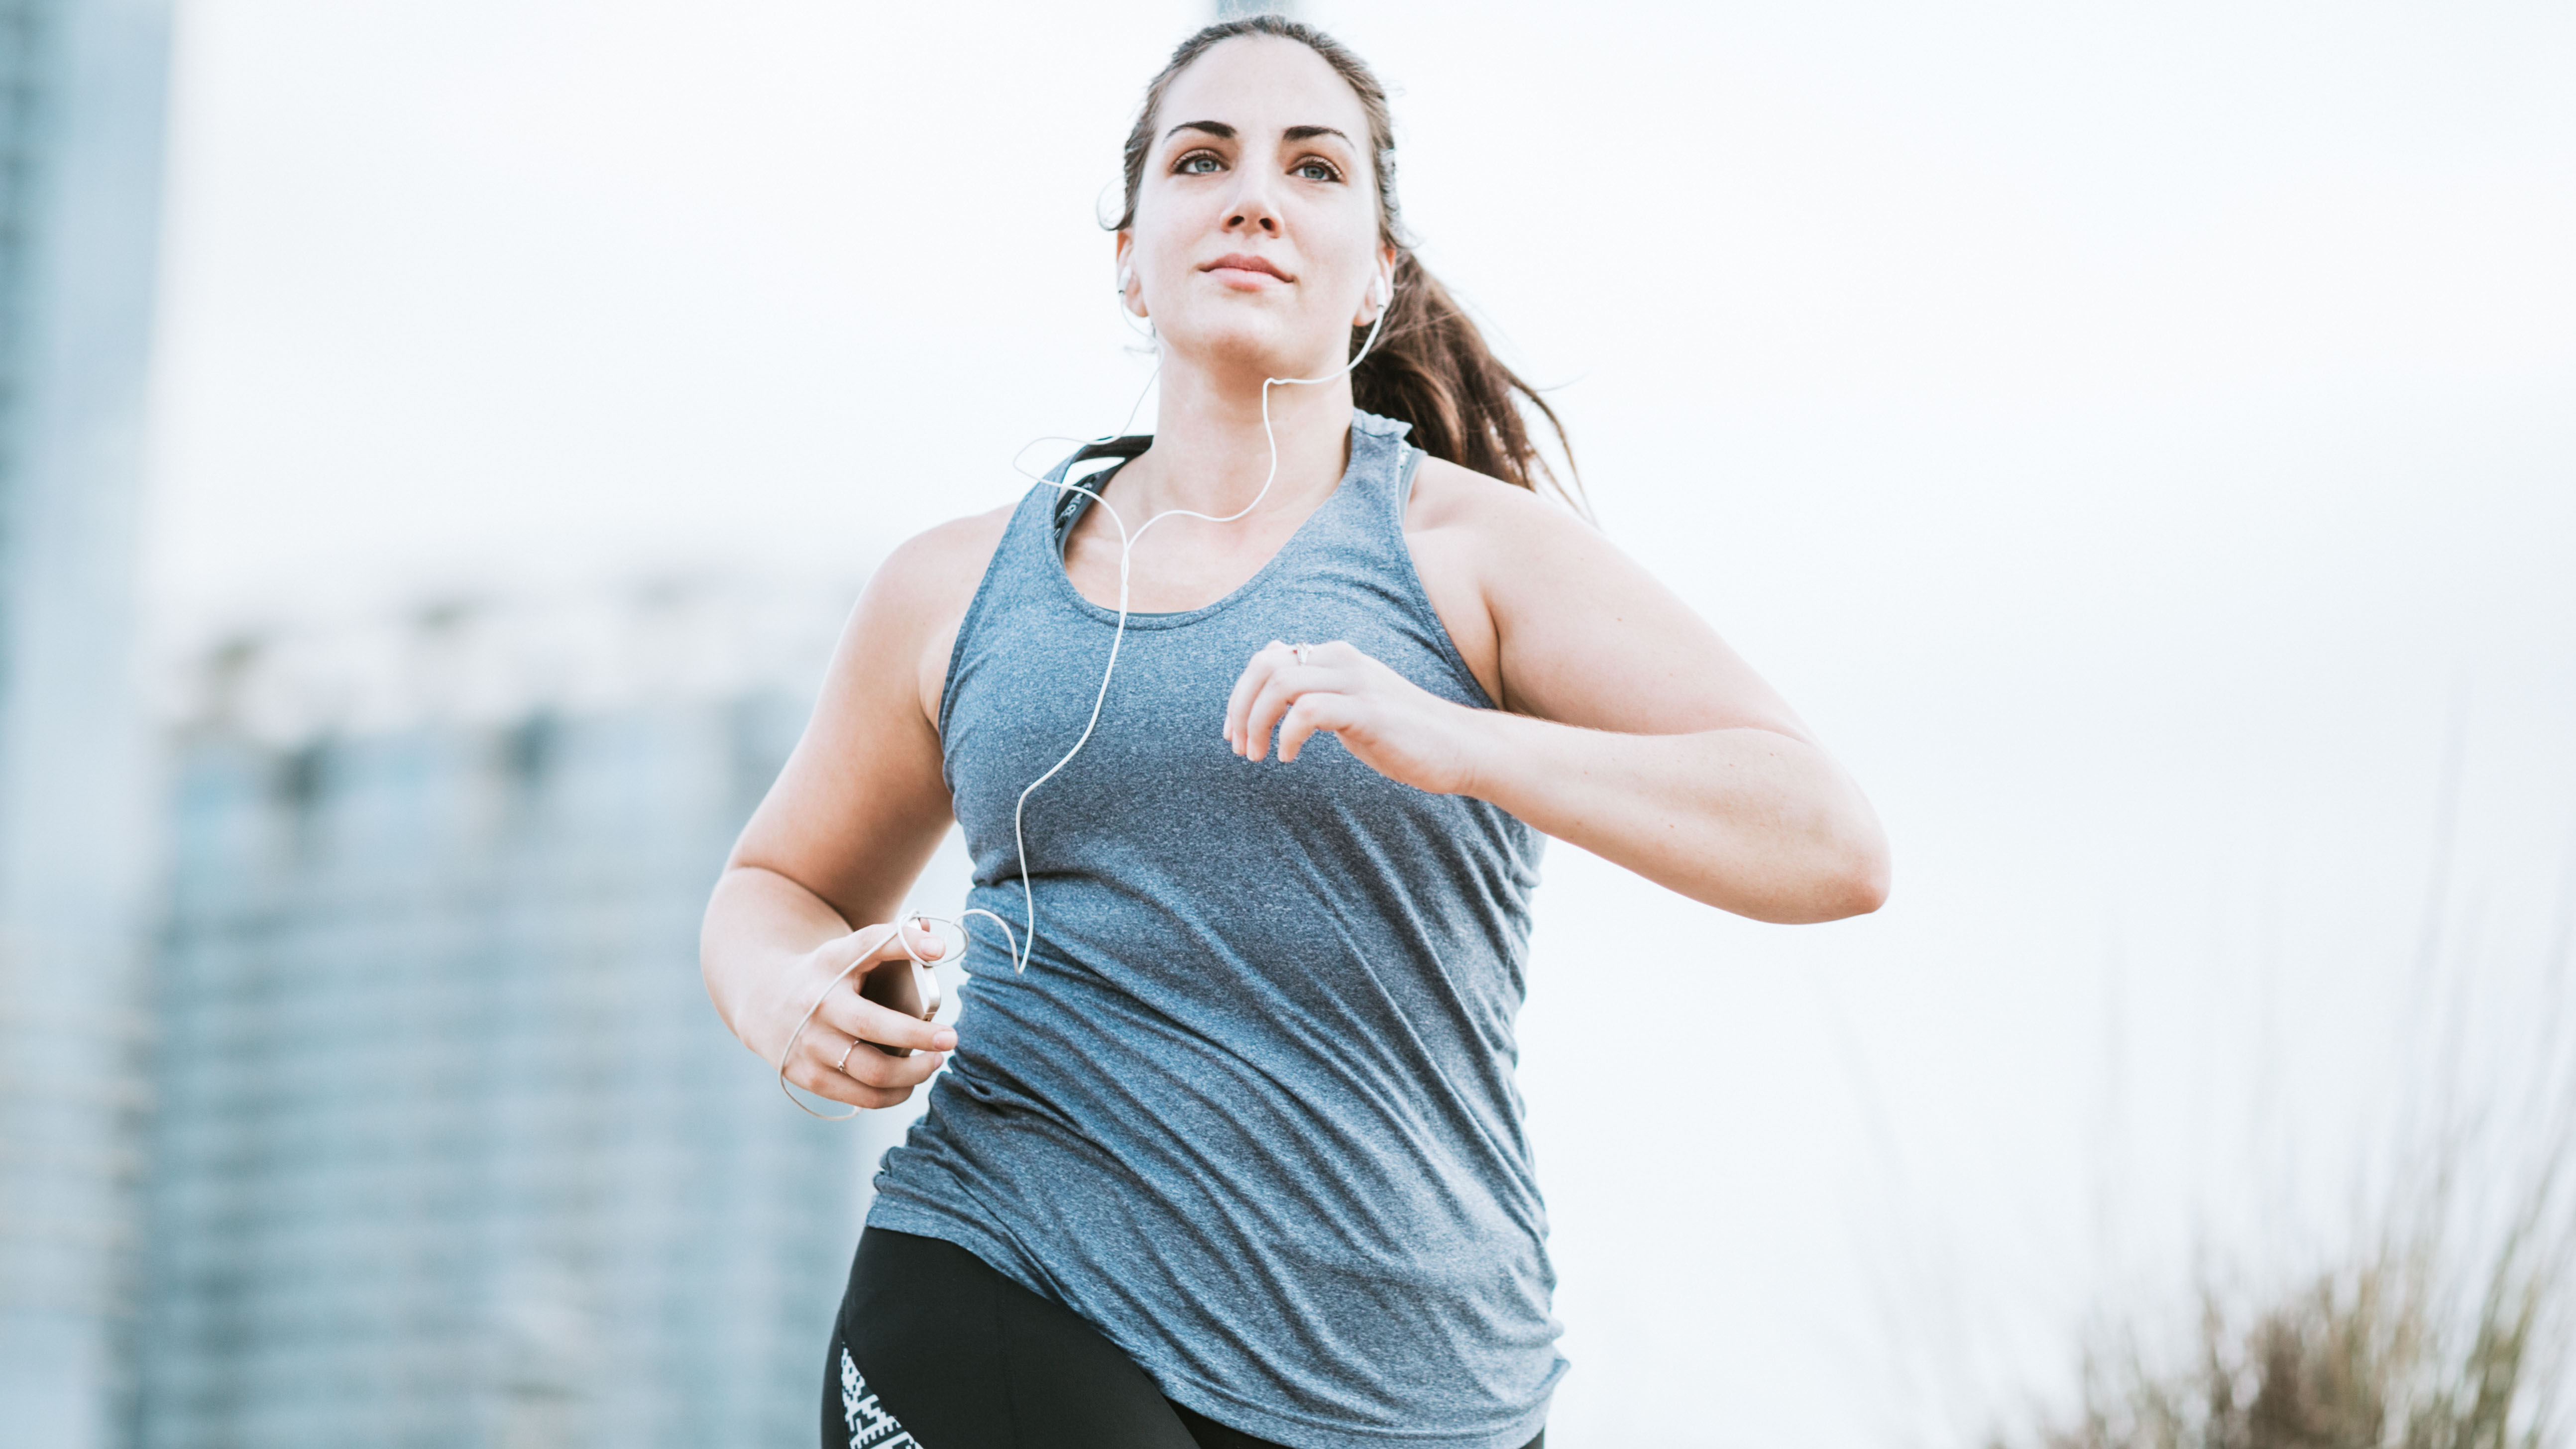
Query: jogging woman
[[1237, 1159]]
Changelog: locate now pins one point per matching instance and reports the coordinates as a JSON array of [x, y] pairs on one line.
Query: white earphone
[[923, 976]]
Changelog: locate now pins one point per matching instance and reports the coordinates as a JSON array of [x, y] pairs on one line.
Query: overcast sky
[[2138, 438]]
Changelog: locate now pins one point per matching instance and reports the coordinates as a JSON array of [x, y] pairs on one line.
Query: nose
[[1252, 211]]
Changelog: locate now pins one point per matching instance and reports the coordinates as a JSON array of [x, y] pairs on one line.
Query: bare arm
[[844, 832], [1632, 729], [1749, 820]]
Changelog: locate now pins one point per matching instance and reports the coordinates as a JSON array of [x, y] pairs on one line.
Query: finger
[[812, 1067], [861, 1062], [851, 1014], [830, 1054], [1315, 711], [1241, 695], [907, 985], [926, 941], [1284, 689], [1256, 673], [822, 1080], [872, 1068], [867, 943], [884, 942]]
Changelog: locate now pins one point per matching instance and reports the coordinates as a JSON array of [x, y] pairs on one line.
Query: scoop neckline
[[1054, 544]]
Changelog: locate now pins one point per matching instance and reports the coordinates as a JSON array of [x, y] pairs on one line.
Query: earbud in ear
[[1126, 279], [1380, 291]]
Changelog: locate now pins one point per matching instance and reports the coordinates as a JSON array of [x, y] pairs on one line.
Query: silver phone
[[907, 986]]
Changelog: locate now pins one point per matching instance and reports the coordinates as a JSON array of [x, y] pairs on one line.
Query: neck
[[1209, 455]]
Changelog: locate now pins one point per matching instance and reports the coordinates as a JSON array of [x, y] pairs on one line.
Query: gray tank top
[[1251, 1108]]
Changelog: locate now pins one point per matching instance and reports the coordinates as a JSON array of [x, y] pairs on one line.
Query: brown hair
[[1431, 367]]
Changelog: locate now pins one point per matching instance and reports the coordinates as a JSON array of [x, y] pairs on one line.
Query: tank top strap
[[1366, 512], [1362, 524], [1371, 529], [1383, 467]]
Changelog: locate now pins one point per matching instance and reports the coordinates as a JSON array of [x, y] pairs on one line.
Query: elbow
[[1834, 885], [1860, 887], [1849, 877], [1843, 867], [1836, 894], [1853, 869], [1860, 879]]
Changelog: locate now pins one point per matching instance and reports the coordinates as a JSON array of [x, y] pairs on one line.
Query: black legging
[[933, 1343]]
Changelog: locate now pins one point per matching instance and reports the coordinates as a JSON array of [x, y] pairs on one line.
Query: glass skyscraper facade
[[451, 1148], [81, 117], [356, 1081]]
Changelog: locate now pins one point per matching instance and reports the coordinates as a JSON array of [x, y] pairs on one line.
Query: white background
[[2141, 439]]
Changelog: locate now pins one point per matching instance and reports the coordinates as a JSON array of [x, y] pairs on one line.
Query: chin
[[1245, 341]]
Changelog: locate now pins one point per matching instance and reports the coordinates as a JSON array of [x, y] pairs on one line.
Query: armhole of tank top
[[1421, 597], [966, 628]]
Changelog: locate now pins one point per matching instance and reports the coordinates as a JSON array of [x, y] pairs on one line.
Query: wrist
[[787, 985], [1484, 752]]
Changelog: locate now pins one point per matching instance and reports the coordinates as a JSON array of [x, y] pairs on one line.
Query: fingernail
[[944, 1041]]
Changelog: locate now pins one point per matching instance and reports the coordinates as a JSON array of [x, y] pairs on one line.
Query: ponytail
[[1431, 367]]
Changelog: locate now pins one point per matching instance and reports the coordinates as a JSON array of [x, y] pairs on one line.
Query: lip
[[1239, 269]]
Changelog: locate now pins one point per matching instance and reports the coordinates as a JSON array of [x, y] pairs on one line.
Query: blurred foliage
[[2422, 1346]]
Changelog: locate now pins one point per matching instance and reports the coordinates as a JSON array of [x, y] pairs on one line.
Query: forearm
[[1748, 820], [758, 925]]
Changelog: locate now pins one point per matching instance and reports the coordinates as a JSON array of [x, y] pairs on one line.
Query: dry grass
[[2422, 1347]]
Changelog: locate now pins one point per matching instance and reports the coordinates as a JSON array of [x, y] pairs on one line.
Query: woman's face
[[1256, 231]]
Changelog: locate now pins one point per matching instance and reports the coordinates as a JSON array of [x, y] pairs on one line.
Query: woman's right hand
[[833, 1057], [844, 831]]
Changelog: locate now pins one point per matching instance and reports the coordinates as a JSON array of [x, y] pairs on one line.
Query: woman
[[1237, 1159]]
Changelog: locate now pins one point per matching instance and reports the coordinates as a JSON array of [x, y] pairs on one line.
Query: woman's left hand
[[1393, 725]]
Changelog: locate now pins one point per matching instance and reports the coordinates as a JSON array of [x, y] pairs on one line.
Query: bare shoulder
[[1577, 630], [943, 560], [1510, 536], [1449, 497], [861, 801], [907, 617], [1474, 539], [1513, 544], [1527, 547]]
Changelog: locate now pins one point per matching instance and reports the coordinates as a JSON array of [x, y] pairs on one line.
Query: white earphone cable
[[1126, 554], [1020, 950]]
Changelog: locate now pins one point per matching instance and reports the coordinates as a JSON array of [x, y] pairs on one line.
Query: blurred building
[[451, 1148], [81, 88]]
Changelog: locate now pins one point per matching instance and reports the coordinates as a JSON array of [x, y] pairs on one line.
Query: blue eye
[[1192, 164], [1317, 171]]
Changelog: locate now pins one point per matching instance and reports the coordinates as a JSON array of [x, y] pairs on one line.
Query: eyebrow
[[1224, 132]]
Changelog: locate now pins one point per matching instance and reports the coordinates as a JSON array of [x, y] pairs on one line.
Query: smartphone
[[907, 986]]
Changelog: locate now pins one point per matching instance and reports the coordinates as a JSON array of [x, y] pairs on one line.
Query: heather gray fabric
[[1251, 1109]]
